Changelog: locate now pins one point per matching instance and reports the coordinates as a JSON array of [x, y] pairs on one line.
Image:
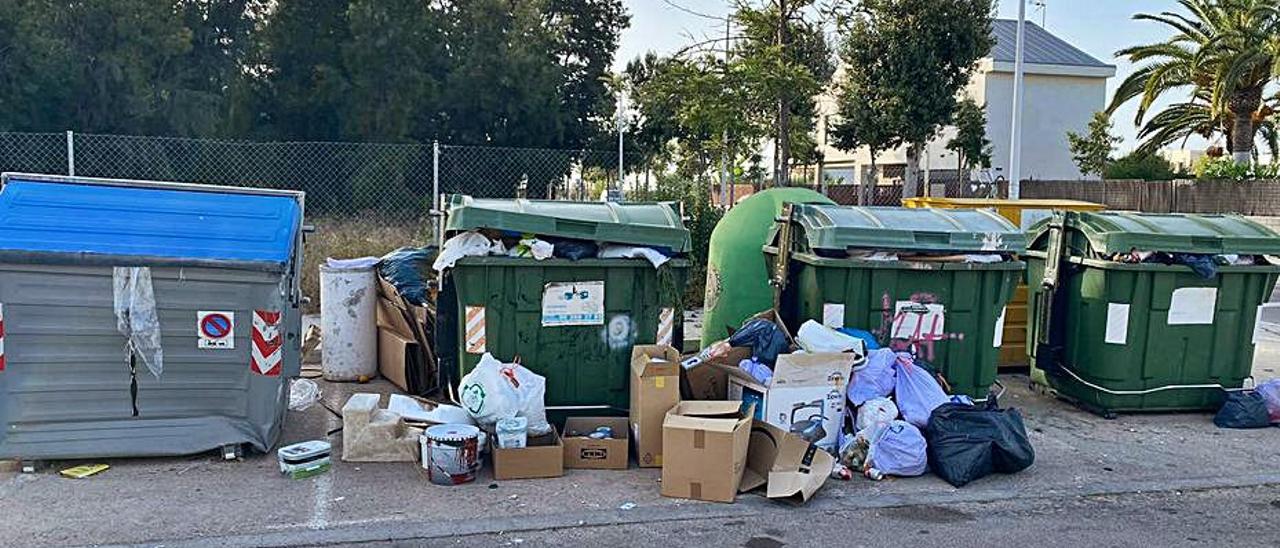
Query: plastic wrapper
[[765, 339], [404, 269], [876, 411], [136, 318]]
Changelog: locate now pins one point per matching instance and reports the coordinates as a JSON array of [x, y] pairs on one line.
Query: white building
[[1182, 159], [1064, 86]]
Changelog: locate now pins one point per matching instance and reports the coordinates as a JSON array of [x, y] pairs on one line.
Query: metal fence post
[[438, 212], [71, 153]]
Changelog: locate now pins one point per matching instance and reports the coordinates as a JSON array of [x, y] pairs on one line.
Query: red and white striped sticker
[[267, 342], [475, 330], [666, 323], [1, 336]]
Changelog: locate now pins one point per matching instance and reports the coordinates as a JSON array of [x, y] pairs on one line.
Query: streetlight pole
[[1015, 145]]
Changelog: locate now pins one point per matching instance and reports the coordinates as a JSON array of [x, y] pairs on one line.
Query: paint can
[[451, 453]]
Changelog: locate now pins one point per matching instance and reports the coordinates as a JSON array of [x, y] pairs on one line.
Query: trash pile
[[502, 243], [1203, 264], [1257, 408]]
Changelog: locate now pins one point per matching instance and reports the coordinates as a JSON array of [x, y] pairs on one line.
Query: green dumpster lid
[[651, 224], [1116, 231], [947, 230]]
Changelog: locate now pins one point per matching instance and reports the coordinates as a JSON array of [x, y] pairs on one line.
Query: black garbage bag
[[969, 442], [764, 337], [404, 268], [1246, 409], [573, 249]]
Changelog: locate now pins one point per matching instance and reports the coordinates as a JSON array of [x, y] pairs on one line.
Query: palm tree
[[1226, 52], [1180, 121]]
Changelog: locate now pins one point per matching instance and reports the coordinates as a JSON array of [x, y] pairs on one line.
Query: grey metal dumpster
[[85, 261]]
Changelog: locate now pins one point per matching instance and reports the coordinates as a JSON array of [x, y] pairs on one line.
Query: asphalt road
[[1218, 517]]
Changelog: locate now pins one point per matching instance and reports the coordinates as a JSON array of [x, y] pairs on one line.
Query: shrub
[[1226, 168]]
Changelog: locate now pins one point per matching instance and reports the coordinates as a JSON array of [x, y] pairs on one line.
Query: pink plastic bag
[[1270, 391]]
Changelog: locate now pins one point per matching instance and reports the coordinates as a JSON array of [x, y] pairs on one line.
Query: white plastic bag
[[467, 244], [917, 392], [532, 247], [303, 393], [817, 338], [610, 251], [494, 391], [873, 379], [136, 318], [875, 411], [897, 449]]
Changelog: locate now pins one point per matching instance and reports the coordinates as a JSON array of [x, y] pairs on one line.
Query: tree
[[970, 143], [1140, 165], [863, 118], [925, 53], [1092, 151], [1226, 53]]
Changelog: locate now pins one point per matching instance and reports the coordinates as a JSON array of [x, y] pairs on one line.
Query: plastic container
[[946, 313], [1147, 336], [305, 459], [513, 433], [1023, 214], [348, 323], [451, 453]]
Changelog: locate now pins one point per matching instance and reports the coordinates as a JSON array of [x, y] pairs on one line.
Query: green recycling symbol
[[473, 398]]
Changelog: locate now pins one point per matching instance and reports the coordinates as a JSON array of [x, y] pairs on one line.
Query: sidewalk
[[206, 500]]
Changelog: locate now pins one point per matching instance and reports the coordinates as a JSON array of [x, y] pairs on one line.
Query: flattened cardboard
[[704, 447], [395, 354], [655, 389], [392, 311], [803, 386], [788, 466], [589, 453], [542, 457]]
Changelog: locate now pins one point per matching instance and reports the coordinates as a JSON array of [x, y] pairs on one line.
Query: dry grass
[[350, 237]]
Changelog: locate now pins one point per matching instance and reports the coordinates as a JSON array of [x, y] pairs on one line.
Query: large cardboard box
[[395, 314], [542, 457], [581, 451], [704, 450], [655, 389], [804, 387], [786, 465], [400, 361]]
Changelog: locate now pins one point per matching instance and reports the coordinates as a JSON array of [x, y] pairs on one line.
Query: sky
[[1098, 27]]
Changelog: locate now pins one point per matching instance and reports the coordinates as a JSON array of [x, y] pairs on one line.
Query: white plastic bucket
[[451, 453], [348, 323]]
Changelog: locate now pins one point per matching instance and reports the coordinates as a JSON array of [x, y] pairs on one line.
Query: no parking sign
[[216, 329]]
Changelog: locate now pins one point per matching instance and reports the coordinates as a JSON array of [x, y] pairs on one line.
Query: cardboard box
[[581, 451], [655, 389], [542, 457], [704, 446], [804, 386], [711, 383], [395, 314], [788, 467], [400, 361]]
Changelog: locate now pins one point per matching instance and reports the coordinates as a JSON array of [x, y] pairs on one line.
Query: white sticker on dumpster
[[998, 340], [1193, 305], [572, 303], [1117, 324], [915, 321], [833, 315], [216, 330]]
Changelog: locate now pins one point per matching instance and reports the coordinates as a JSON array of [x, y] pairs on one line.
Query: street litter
[[512, 432], [451, 453], [766, 339], [968, 442], [493, 391], [1270, 391], [596, 443], [1243, 409], [305, 459], [303, 393], [83, 471], [895, 448], [414, 410], [371, 434], [876, 411]]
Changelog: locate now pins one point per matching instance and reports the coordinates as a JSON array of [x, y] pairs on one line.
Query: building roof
[[1039, 47]]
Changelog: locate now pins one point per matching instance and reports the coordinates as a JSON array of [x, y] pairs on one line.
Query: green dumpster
[[516, 308], [737, 277], [1145, 336], [908, 276]]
